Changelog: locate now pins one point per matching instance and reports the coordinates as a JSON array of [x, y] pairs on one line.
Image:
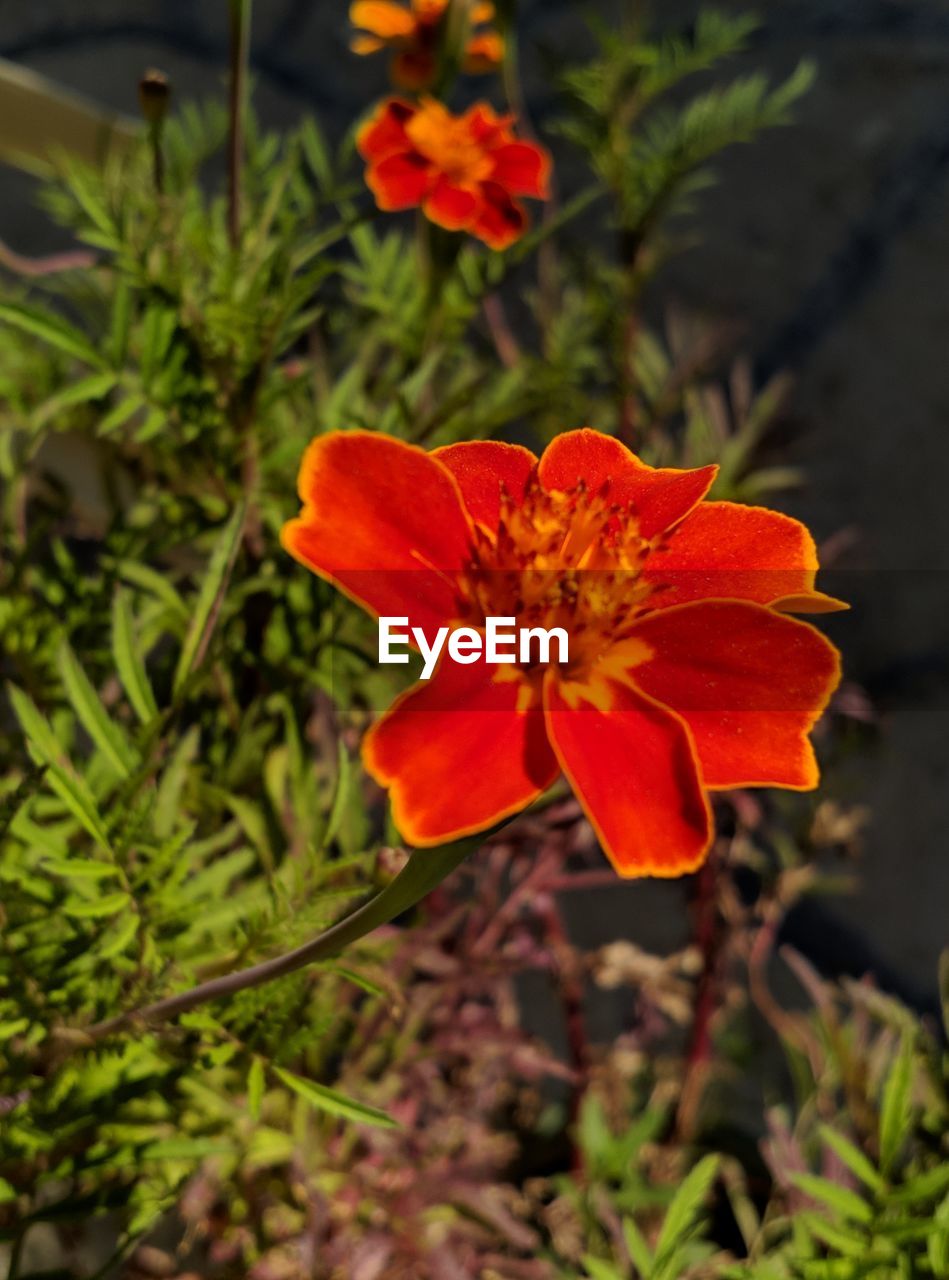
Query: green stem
[[424, 870], [240, 53]]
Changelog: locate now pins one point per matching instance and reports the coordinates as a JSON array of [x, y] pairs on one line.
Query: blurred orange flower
[[464, 171], [685, 674], [413, 31]]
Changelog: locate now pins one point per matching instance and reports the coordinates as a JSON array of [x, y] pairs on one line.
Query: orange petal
[[366, 44], [383, 521], [750, 684], [522, 169], [482, 11], [384, 134], [501, 220], [460, 752], [661, 496], [482, 468], [399, 181], [382, 18], [728, 551], [451, 207], [483, 53], [632, 767]]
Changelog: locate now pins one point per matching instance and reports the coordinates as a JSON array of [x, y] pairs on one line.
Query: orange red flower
[[685, 673], [465, 172], [412, 33]]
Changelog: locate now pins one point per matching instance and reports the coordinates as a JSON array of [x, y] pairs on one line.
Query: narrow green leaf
[[62, 778], [255, 1087], [6, 1192], [80, 868], [53, 330], [129, 663], [93, 717], [895, 1105], [210, 597], [95, 386], [853, 1158], [344, 775], [96, 908], [330, 1100], [596, 1269], [685, 1208], [10, 1029], [840, 1199], [638, 1249], [114, 943], [359, 980]]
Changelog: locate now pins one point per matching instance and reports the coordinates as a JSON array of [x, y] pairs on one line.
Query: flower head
[[464, 171], [412, 32], [685, 674]]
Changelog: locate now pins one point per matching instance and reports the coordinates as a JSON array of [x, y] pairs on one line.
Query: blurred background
[[824, 255]]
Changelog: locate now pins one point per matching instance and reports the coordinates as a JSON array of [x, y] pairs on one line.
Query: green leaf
[[52, 330], [62, 778], [95, 386], [344, 777], [96, 721], [359, 980], [210, 597], [255, 1087], [6, 1192], [596, 1269], [96, 908], [638, 1249], [128, 661], [853, 1158], [80, 868], [323, 1098], [840, 1199], [895, 1105], [10, 1029], [684, 1210]]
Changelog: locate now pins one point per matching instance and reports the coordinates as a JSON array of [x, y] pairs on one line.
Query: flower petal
[[461, 751], [399, 181], [383, 134], [481, 468], [383, 521], [522, 169], [483, 53], [750, 684], [451, 207], [501, 220], [632, 767], [661, 495], [727, 551], [382, 18]]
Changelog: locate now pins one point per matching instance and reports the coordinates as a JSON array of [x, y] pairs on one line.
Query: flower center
[[448, 143], [564, 559]]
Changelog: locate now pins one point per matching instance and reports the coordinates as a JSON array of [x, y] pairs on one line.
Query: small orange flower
[[465, 171], [413, 34], [684, 674]]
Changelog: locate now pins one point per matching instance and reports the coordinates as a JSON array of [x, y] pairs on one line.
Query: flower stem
[[424, 870], [240, 53]]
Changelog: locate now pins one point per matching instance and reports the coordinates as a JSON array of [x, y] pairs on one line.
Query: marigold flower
[[685, 674], [412, 32], [465, 171]]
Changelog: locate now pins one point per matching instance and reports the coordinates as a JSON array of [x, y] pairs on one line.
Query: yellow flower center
[[563, 559], [447, 142]]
